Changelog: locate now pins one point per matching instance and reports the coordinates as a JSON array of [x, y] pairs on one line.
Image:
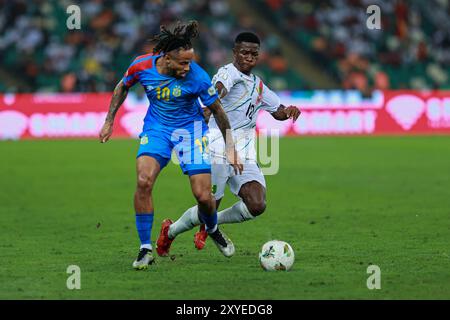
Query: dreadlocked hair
[[180, 37]]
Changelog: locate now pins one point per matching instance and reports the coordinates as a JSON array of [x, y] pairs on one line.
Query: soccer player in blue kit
[[173, 82]]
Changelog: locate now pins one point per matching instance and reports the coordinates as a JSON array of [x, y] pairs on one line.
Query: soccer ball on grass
[[276, 255]]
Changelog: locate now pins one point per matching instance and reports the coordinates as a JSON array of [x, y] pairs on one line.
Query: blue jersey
[[173, 101]]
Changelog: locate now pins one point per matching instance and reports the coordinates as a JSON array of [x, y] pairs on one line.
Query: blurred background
[[318, 55], [307, 44], [354, 197]]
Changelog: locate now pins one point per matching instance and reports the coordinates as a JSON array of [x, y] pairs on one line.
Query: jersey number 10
[[163, 94]]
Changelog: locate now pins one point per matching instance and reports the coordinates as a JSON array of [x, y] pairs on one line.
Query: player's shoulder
[[197, 69], [228, 69], [142, 62], [227, 73]]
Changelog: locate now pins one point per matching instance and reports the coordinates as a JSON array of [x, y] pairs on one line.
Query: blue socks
[[209, 220], [144, 223]]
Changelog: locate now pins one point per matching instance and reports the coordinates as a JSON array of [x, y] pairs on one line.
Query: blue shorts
[[190, 143]]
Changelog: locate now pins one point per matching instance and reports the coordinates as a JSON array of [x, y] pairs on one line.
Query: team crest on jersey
[[224, 76], [144, 140], [176, 91], [211, 90]]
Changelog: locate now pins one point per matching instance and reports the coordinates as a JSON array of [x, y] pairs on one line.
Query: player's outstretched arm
[[224, 125], [284, 113], [118, 97]]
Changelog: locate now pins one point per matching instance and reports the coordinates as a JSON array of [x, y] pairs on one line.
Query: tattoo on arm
[[220, 88], [222, 121], [206, 114], [118, 97]]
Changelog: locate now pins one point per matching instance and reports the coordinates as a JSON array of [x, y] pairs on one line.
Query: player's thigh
[[153, 155], [253, 192], [250, 186], [191, 147]]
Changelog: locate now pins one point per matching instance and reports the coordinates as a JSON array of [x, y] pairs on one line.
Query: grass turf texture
[[342, 203]]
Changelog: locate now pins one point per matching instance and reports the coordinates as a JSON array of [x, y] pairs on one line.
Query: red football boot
[[200, 237], [163, 243]]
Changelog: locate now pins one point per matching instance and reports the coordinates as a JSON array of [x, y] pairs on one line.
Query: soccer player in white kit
[[242, 95]]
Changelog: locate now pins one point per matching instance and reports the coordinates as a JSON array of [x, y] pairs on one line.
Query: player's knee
[[144, 183], [256, 208], [203, 197]]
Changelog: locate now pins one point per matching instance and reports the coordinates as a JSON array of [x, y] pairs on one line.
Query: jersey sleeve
[[131, 76], [270, 100], [226, 77], [206, 90]]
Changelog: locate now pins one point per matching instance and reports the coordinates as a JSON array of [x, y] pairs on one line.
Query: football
[[276, 255]]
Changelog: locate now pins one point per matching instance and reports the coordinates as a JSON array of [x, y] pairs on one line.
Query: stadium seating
[[412, 50], [40, 54]]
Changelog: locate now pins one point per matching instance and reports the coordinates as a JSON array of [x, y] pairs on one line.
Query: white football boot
[[222, 242], [144, 259]]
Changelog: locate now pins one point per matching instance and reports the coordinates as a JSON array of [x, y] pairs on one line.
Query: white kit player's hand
[[292, 112]]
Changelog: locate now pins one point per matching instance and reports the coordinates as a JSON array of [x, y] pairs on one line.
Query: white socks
[[237, 213], [186, 222]]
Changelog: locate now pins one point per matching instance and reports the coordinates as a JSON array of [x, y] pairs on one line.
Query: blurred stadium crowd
[[412, 50]]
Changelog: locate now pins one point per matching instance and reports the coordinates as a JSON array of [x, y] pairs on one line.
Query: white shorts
[[223, 174]]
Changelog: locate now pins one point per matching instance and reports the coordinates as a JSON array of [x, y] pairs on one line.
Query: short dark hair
[[180, 37], [247, 37]]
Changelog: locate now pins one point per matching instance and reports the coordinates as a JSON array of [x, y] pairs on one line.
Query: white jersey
[[247, 94]]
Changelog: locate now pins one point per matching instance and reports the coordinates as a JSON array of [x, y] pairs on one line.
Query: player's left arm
[[271, 103], [284, 113]]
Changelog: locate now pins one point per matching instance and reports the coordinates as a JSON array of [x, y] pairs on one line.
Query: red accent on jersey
[[139, 66], [260, 92]]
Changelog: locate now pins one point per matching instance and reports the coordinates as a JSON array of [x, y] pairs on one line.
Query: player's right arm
[[222, 91], [130, 78], [118, 97]]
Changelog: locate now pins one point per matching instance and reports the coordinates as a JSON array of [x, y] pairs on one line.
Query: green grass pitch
[[343, 203]]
